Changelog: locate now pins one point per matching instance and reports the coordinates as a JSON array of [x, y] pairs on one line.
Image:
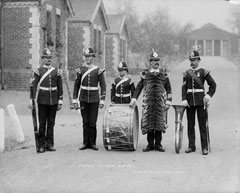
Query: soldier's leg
[[202, 118], [85, 117], [50, 125], [42, 116], [191, 111], [158, 138], [150, 138], [93, 110]]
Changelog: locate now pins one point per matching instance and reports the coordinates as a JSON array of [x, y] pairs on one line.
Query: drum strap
[[42, 78], [122, 81]]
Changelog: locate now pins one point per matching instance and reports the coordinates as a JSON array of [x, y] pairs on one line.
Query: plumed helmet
[[89, 52], [122, 65], [46, 53], [194, 54], [154, 56]]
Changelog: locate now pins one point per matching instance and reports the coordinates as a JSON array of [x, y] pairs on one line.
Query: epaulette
[[130, 78], [131, 82], [60, 71], [36, 72], [114, 82], [101, 70], [206, 72], [78, 70]]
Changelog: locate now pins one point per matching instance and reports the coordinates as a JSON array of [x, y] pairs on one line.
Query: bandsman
[[48, 91], [157, 99], [197, 100], [86, 97], [122, 87]]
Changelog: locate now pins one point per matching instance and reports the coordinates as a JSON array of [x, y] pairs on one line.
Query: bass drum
[[121, 127]]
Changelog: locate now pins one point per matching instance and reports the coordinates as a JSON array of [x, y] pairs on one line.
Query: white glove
[[133, 102], [101, 104], [185, 103], [75, 104], [30, 104]]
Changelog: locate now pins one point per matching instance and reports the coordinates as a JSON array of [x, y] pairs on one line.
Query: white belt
[[48, 88], [195, 90], [123, 95], [89, 88]]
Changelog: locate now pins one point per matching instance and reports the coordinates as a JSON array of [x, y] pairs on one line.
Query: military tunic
[[194, 92], [122, 90], [86, 85]]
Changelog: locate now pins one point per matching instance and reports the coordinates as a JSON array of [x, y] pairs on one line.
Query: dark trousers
[[89, 112], [46, 115], [154, 135], [202, 118]]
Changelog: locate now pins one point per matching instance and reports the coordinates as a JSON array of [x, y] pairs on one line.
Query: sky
[[198, 12]]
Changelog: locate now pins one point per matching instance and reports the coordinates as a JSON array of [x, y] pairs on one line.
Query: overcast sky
[[198, 12]]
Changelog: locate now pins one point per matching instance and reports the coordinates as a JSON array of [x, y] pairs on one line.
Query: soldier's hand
[[101, 104], [30, 106], [132, 103], [75, 106], [59, 107], [185, 103], [167, 107], [206, 99]]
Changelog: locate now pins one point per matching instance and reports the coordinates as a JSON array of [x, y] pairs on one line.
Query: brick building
[[87, 28], [117, 40], [214, 41], [26, 26]]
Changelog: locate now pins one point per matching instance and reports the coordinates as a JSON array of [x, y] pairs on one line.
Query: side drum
[[120, 127]]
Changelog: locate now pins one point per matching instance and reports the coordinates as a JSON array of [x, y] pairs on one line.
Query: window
[[44, 29], [95, 41], [49, 26], [58, 33], [99, 43], [122, 49]]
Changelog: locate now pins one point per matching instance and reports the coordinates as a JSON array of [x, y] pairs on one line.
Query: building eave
[[100, 6], [70, 8]]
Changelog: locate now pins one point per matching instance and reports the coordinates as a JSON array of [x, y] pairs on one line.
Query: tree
[[235, 20], [182, 38]]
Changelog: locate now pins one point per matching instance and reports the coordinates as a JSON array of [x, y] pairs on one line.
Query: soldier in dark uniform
[[157, 99], [86, 91], [47, 83], [196, 100], [122, 87]]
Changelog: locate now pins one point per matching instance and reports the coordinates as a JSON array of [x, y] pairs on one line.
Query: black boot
[[148, 148], [150, 139]]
